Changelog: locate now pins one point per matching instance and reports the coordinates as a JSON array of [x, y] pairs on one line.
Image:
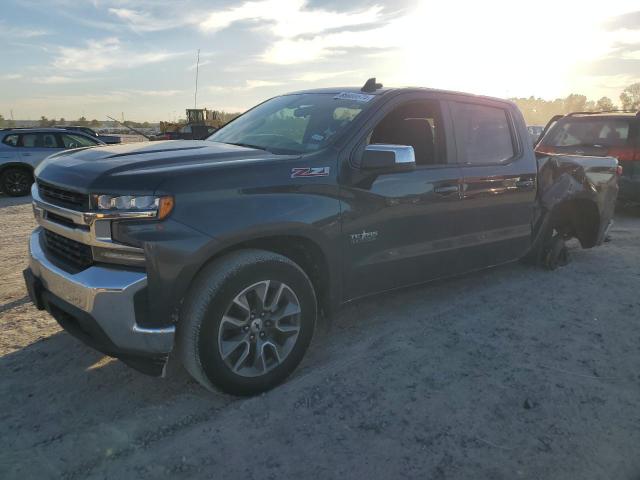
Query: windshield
[[293, 124]]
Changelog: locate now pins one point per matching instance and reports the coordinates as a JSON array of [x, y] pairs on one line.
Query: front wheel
[[247, 322]]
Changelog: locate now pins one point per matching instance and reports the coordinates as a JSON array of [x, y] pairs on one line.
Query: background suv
[[22, 149], [108, 139], [600, 134]]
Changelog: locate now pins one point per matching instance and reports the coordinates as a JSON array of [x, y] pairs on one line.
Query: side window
[[483, 134], [49, 140], [417, 124], [76, 141], [30, 140], [11, 140]]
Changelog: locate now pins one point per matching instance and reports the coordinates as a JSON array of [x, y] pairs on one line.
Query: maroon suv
[[601, 134]]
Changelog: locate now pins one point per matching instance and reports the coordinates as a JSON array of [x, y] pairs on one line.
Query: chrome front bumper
[[107, 296]]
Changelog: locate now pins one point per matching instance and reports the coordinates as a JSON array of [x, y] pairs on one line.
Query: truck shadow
[[60, 384], [58, 396], [6, 201]]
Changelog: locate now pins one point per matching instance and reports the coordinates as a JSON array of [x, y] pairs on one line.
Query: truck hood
[[140, 167]]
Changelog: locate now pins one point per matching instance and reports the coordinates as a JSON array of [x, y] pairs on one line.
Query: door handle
[[446, 189], [525, 183]]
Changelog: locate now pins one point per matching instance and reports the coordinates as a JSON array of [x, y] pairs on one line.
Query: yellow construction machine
[[200, 123]]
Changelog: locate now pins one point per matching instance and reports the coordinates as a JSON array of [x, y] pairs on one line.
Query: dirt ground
[[504, 374]]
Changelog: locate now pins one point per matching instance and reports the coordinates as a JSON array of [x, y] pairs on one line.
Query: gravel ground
[[503, 374]]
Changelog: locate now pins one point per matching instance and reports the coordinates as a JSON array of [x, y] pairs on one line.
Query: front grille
[[71, 253], [64, 198]]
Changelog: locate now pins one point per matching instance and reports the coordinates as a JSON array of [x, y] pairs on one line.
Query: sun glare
[[499, 48]]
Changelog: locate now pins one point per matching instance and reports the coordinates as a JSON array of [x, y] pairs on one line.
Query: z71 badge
[[309, 172]]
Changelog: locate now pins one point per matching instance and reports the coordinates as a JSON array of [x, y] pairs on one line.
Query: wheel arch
[[14, 164], [579, 218], [304, 251]]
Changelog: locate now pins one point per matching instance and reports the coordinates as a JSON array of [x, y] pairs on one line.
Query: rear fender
[[577, 194]]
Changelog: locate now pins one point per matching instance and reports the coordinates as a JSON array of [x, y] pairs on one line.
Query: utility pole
[[195, 95]]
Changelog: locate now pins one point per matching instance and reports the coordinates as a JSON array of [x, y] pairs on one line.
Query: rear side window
[[29, 140], [589, 132], [39, 140], [483, 134], [11, 140]]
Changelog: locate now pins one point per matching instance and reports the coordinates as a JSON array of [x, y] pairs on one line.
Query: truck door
[[499, 182], [399, 227]]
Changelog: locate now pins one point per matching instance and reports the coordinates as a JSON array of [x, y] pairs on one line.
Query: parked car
[[600, 134], [534, 132], [108, 139], [22, 149], [228, 250]]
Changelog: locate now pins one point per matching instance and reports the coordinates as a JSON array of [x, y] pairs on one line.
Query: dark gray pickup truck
[[227, 251]]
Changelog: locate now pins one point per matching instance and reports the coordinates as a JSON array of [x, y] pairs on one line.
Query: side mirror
[[388, 157]]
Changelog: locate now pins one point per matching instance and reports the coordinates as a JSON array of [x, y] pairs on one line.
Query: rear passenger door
[[498, 182], [35, 147]]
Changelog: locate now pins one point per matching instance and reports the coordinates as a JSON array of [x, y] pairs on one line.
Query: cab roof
[[380, 92]]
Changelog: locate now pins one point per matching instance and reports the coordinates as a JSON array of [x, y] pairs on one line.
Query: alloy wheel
[[16, 182], [259, 328]]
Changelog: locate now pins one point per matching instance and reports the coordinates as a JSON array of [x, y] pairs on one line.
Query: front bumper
[[98, 305]]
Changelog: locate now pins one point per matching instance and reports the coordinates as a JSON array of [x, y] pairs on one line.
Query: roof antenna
[[371, 85]]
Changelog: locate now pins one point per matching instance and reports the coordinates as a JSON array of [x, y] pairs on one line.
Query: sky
[[137, 59]]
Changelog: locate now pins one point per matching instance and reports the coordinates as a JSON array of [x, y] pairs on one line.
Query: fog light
[[120, 257]]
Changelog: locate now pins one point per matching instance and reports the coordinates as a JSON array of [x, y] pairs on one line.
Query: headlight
[[162, 205]]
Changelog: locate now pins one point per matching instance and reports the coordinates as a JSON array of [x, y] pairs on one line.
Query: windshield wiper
[[247, 145]]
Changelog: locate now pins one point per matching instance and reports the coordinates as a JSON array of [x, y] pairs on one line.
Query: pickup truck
[[226, 252]]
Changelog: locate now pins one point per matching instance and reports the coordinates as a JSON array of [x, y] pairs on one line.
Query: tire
[[16, 181], [556, 254], [218, 339]]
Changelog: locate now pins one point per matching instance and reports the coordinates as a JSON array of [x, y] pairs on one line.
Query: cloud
[[156, 93], [301, 33], [319, 76], [57, 80], [200, 65], [288, 18], [140, 21], [10, 76], [629, 21], [20, 32], [107, 53], [248, 85], [251, 84]]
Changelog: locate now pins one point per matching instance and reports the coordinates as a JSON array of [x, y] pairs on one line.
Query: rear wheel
[[16, 181], [556, 253], [247, 322]]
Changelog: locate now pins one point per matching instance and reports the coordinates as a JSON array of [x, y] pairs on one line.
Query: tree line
[[538, 111]]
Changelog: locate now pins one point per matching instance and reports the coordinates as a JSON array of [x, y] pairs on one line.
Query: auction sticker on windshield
[[358, 97]]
